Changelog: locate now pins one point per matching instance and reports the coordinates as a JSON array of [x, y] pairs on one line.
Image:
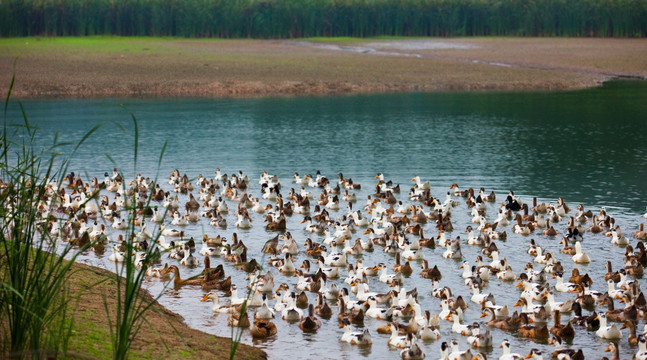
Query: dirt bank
[[167, 337], [151, 67]]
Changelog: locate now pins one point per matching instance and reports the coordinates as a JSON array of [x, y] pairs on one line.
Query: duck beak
[[501, 346], [607, 349], [341, 326], [518, 285], [483, 315], [516, 304], [204, 298], [551, 342]]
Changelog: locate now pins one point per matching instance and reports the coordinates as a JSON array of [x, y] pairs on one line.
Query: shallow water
[[587, 146]]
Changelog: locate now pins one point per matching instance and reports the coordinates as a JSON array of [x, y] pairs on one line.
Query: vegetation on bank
[[310, 18]]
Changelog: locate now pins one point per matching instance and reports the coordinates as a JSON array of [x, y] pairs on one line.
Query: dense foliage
[[307, 18]]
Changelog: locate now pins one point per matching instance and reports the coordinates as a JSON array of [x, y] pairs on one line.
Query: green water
[[589, 147]]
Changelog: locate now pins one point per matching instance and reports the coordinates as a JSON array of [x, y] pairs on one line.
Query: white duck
[[398, 341], [607, 332], [507, 354], [355, 338], [580, 257], [217, 307]]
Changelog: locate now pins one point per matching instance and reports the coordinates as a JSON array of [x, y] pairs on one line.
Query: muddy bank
[[163, 336], [115, 67]]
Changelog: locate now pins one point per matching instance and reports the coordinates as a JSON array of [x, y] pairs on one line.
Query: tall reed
[[307, 18], [131, 306], [34, 299]]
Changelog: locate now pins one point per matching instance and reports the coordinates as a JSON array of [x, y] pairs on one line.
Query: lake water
[[588, 146]]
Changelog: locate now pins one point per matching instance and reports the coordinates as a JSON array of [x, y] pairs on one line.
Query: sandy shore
[[150, 67]]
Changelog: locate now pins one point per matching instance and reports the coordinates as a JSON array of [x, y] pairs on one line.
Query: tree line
[[328, 18]]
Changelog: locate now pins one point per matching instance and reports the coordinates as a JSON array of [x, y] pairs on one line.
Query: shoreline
[[167, 336], [104, 67], [315, 91]]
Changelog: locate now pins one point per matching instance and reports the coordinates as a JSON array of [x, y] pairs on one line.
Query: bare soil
[[242, 68], [164, 335]]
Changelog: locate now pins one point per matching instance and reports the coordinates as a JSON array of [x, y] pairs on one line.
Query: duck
[[291, 313], [640, 234], [521, 228], [562, 286], [535, 354], [264, 311], [459, 328], [605, 331], [500, 311], [430, 273], [238, 319], [536, 312], [641, 354], [617, 238], [189, 260], [420, 185], [477, 296], [404, 269], [398, 341], [566, 249], [235, 300], [629, 312], [532, 331], [411, 254], [310, 322], [356, 317], [117, 255], [561, 306], [217, 307], [263, 329], [377, 313], [456, 353], [613, 348], [414, 351], [322, 308], [580, 257], [355, 338], [580, 279], [589, 322], [478, 339], [387, 278], [410, 328], [507, 354], [563, 331], [503, 323], [550, 230], [560, 352], [631, 325]]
